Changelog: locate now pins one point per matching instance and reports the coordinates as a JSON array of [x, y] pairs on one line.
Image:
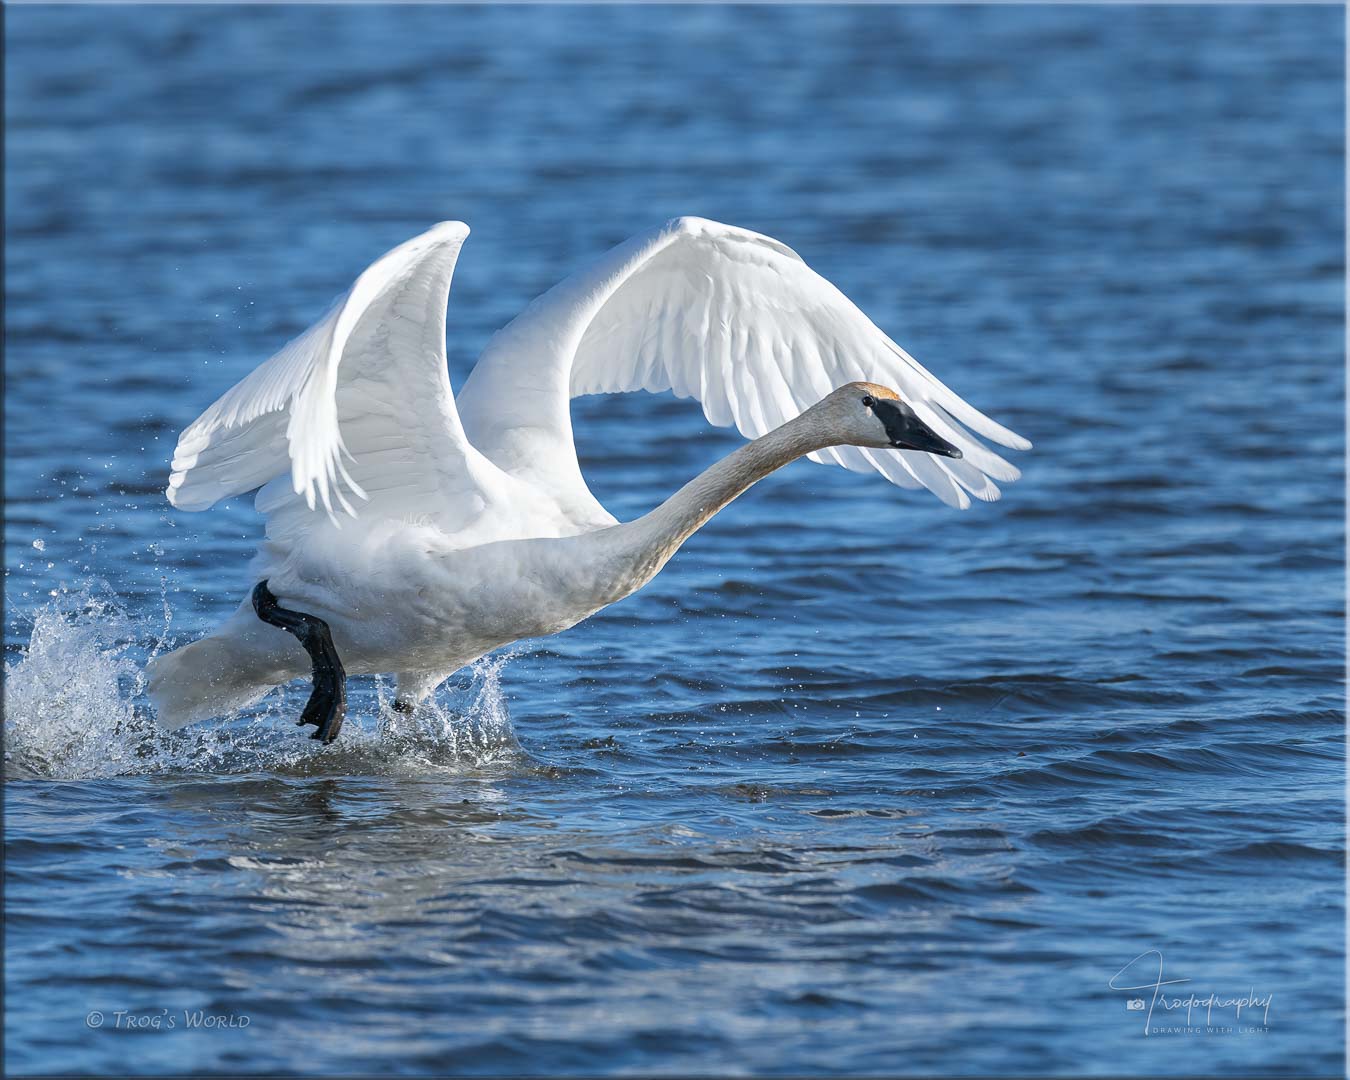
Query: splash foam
[[75, 708]]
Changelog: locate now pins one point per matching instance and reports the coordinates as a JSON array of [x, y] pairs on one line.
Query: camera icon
[[1135, 1004]]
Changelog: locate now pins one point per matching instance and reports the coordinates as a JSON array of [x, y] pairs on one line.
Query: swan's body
[[427, 531]]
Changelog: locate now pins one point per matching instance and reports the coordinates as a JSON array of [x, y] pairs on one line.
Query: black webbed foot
[[327, 705], [402, 706]]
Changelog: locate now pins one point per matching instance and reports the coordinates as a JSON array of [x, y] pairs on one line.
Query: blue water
[[859, 784]]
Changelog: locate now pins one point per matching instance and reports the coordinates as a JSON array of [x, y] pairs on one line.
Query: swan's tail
[[211, 677]]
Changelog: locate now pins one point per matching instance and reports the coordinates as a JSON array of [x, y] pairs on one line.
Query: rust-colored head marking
[[875, 390]]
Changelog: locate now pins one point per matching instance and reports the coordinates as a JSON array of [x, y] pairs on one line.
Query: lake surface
[[859, 784]]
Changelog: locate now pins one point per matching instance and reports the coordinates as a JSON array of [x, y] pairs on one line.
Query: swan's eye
[[869, 401]]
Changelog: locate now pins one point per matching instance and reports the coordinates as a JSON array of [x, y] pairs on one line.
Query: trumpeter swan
[[410, 532]]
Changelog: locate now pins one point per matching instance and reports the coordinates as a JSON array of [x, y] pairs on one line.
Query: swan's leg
[[411, 689], [327, 703]]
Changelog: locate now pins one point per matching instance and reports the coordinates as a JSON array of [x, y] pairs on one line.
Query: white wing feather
[[727, 316], [367, 383]]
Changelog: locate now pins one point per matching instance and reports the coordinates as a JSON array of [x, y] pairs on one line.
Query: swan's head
[[866, 414]]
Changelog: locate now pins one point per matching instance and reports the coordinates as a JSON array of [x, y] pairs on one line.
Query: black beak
[[908, 432]]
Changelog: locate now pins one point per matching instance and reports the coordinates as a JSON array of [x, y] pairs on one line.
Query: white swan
[[410, 533]]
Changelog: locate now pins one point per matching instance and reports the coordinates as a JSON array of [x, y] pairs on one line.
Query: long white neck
[[645, 545]]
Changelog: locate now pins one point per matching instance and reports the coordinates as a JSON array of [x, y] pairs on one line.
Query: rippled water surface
[[859, 784]]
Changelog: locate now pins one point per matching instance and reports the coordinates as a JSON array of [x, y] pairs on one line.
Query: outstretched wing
[[358, 407], [727, 316]]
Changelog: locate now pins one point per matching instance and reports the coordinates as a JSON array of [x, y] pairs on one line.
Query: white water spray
[[75, 708]]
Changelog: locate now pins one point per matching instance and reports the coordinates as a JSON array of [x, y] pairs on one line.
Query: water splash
[[469, 721], [75, 708], [70, 695]]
